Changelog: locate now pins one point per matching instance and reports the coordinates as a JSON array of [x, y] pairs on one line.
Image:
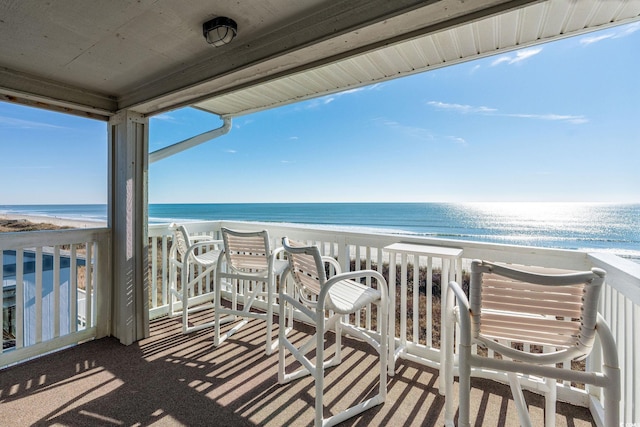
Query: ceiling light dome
[[219, 31]]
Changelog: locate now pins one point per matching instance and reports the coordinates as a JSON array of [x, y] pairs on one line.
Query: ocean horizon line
[[595, 226]]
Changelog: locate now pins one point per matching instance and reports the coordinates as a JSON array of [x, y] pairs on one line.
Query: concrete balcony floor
[[174, 379]]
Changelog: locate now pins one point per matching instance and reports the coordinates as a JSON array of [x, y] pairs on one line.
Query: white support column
[[128, 168]]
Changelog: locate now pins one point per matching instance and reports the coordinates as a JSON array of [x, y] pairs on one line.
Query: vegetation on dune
[[11, 225]]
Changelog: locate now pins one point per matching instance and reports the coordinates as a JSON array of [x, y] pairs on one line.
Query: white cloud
[[520, 56], [318, 102], [27, 167], [458, 140], [595, 39], [462, 108], [627, 30], [10, 122], [619, 32], [419, 133], [553, 117], [470, 109], [230, 151], [386, 122], [164, 117]]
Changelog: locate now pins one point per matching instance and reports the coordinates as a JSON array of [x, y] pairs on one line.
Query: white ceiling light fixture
[[219, 31]]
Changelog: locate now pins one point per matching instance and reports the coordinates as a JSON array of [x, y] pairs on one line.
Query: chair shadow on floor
[[176, 379]]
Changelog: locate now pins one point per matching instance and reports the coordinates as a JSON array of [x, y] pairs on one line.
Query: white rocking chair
[[340, 295], [556, 312], [196, 266]]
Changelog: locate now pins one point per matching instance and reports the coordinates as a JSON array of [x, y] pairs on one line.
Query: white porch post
[[128, 167]]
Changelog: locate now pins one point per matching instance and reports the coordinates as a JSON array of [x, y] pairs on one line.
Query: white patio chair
[[556, 312], [251, 269], [314, 296], [196, 257]]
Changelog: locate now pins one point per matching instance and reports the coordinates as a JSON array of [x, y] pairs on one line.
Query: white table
[[451, 270]]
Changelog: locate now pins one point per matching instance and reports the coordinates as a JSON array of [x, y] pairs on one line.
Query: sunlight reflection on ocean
[[613, 228]]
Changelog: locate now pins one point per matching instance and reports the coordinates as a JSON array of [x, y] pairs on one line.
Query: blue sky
[[555, 122]]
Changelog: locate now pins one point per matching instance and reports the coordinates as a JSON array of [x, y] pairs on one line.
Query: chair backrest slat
[[247, 251], [306, 266], [547, 309], [180, 238], [543, 331]]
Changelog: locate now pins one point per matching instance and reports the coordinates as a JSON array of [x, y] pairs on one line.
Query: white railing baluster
[[154, 272], [56, 291], [2, 299], [429, 285], [620, 300], [628, 368], [38, 295], [19, 298], [45, 316], [88, 285], [165, 275], [634, 402], [416, 299], [403, 299], [73, 288]]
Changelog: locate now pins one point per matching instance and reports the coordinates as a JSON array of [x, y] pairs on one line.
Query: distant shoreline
[[59, 222]]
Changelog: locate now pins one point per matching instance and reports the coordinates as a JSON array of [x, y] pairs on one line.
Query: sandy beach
[[59, 222]]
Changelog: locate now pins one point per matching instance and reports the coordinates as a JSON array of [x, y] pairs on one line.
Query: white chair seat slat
[[347, 296], [208, 258]]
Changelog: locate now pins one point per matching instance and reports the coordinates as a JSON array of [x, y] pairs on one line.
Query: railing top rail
[[19, 240]]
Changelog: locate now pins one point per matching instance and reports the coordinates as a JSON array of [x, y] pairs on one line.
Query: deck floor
[[174, 379]]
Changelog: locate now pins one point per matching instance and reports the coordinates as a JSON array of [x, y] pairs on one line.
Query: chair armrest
[[277, 252], [334, 263], [464, 310], [201, 244], [608, 343], [351, 275], [461, 297]]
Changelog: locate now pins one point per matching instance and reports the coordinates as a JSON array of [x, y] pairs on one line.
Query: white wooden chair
[[555, 312], [315, 295], [196, 257], [250, 271]]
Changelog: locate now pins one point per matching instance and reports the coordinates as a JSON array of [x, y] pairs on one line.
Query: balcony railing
[[418, 307], [51, 282], [39, 317]]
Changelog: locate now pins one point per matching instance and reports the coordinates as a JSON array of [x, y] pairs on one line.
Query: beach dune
[[59, 222]]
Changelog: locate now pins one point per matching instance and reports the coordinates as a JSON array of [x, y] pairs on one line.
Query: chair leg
[[281, 337], [185, 305], [611, 396], [319, 371], [465, 385], [338, 331], [269, 319], [550, 402], [216, 313], [518, 398], [447, 361]]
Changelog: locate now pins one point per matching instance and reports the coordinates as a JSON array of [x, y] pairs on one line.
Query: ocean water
[[602, 227]]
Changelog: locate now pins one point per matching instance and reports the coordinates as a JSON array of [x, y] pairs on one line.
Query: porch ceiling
[[96, 57]]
